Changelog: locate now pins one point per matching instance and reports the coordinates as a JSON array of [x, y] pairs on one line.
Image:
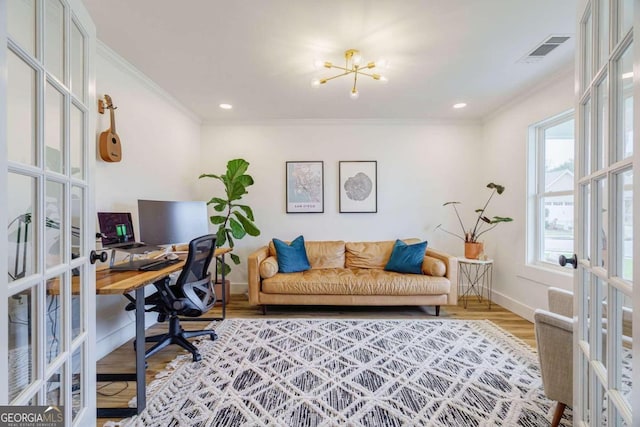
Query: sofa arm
[[254, 261], [451, 263]]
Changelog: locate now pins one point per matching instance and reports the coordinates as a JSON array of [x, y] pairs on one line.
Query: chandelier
[[353, 65]]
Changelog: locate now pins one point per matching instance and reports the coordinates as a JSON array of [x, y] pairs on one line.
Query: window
[[550, 183]]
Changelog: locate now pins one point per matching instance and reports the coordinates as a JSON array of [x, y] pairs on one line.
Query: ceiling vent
[[544, 48]]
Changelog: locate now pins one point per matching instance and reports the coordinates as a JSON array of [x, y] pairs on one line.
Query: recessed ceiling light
[[459, 105], [226, 106]]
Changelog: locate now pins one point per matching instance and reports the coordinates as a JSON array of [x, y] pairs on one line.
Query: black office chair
[[191, 296]]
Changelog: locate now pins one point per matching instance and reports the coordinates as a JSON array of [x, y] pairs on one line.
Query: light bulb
[[357, 59], [382, 63], [318, 63], [459, 105], [315, 83], [354, 93], [383, 79]]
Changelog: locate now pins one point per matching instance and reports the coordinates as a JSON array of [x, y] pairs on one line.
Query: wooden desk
[[114, 282]]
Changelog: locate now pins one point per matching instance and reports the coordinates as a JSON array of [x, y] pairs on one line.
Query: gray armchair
[[554, 335]]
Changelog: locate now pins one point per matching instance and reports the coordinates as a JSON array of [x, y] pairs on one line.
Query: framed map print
[[358, 186], [305, 187]]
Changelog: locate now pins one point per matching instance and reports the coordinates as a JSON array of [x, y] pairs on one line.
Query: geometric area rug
[[301, 372]]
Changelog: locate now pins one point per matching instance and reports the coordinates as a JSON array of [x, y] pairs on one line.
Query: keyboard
[[158, 265]]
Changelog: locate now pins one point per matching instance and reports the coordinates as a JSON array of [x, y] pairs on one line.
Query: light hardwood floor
[[123, 360]]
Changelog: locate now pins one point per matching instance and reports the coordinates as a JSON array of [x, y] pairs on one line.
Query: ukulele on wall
[[110, 149]]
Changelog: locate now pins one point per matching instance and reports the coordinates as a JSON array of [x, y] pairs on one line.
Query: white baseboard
[[239, 288], [121, 335], [513, 305]]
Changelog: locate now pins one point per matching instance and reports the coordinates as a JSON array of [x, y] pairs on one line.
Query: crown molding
[[108, 53], [343, 122]]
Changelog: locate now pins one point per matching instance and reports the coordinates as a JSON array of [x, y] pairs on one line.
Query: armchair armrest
[[254, 282], [451, 263]]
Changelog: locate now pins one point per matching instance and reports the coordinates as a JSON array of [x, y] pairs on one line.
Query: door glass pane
[[586, 129], [77, 62], [77, 201], [53, 318], [54, 38], [624, 101], [54, 130], [625, 9], [77, 326], [21, 229], [21, 24], [21, 111], [22, 322], [597, 344], [586, 214], [587, 43], [78, 398], [625, 347], [602, 220], [55, 390], [603, 32], [625, 219], [602, 124], [54, 227], [558, 227], [76, 134]]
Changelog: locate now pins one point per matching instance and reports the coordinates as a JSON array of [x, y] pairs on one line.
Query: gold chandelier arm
[[339, 75], [355, 81], [367, 74], [349, 70]]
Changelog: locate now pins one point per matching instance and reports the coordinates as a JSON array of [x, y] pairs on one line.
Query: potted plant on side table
[[235, 220], [472, 247]]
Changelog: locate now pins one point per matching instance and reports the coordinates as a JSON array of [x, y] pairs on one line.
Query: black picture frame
[[358, 186]]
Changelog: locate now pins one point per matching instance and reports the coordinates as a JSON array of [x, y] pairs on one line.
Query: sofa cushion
[[268, 267], [406, 258], [322, 254], [292, 257], [368, 254], [355, 281], [433, 266]]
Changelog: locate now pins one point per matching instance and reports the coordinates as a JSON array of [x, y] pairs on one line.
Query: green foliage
[[472, 234], [235, 220]]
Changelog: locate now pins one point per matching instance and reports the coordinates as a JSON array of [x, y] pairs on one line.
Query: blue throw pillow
[[407, 258], [293, 257]]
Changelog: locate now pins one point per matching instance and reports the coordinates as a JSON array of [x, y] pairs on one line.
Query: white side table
[[474, 276]]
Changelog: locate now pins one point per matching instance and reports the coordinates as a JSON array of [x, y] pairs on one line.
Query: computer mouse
[[172, 256]]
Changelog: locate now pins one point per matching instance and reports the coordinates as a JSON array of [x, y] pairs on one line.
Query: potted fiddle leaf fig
[[234, 220], [473, 248]]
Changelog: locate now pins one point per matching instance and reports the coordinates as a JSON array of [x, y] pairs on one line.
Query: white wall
[[160, 146], [519, 287], [420, 166]]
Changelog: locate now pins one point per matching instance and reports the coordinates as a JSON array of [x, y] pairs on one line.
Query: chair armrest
[[451, 263], [255, 282], [554, 336]]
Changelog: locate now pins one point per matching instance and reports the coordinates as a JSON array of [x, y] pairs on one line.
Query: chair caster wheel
[[213, 337], [197, 357]]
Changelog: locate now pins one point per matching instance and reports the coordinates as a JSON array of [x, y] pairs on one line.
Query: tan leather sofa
[[352, 273]]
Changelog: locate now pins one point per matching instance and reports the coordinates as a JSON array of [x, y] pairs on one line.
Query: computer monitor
[[170, 222]]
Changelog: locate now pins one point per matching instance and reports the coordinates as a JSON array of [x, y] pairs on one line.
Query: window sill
[[548, 276]]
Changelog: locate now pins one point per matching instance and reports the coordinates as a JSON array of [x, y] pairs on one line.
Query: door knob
[[97, 256], [563, 260]]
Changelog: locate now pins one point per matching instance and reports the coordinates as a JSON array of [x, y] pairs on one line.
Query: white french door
[[47, 136], [607, 297]]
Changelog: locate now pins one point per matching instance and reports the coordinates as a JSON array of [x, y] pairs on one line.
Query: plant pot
[[472, 250], [218, 290]]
